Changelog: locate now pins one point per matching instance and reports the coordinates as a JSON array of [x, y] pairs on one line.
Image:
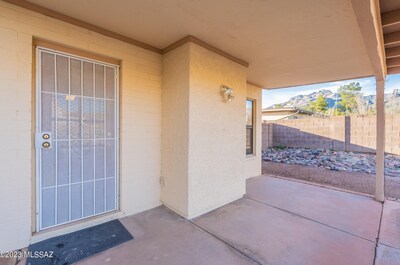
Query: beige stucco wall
[[276, 117], [270, 117], [203, 139], [175, 130], [253, 162], [140, 118], [217, 148]]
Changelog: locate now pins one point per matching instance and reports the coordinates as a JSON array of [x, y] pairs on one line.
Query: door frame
[[41, 45]]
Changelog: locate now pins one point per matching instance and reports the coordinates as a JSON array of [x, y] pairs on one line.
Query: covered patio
[[277, 222], [149, 112]]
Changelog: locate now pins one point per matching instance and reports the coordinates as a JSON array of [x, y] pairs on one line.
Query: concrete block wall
[[267, 135], [392, 133], [353, 133]]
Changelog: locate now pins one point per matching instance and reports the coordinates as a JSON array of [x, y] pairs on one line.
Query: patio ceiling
[[391, 28], [286, 42]]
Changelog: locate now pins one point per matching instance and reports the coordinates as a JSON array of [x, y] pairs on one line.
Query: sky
[[275, 96]]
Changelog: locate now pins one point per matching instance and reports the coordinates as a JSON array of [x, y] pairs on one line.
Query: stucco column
[[380, 141], [203, 138]]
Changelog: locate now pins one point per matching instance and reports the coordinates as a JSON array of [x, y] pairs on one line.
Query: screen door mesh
[[77, 105]]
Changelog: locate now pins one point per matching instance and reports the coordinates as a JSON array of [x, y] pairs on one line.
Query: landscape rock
[[333, 160]]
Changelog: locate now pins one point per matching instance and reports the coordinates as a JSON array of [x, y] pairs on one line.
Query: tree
[[350, 95], [363, 107], [319, 105]]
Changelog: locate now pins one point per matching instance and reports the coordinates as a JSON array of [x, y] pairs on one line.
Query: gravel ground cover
[[333, 160]]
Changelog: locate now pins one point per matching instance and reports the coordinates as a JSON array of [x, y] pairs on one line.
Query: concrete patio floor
[[277, 222]]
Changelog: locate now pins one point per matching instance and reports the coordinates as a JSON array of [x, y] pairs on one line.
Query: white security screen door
[[76, 138]]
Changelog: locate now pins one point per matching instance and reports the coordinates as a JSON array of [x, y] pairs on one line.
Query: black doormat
[[70, 248]]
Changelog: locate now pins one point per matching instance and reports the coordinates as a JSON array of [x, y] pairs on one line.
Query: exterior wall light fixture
[[227, 93]]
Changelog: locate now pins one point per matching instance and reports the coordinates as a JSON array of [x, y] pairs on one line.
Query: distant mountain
[[392, 106], [392, 100], [300, 101]]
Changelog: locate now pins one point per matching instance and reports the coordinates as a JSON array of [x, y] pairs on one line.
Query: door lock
[[45, 144], [43, 140]]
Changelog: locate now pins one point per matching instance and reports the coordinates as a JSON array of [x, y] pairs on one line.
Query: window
[[249, 127]]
